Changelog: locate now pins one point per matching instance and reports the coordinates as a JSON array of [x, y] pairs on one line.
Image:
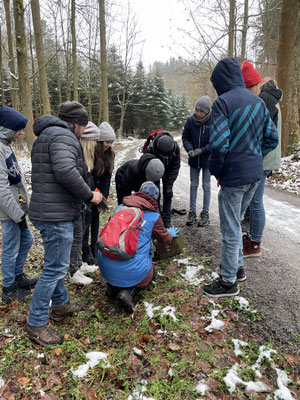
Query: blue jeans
[[15, 247], [257, 211], [57, 239], [233, 202], [194, 176]]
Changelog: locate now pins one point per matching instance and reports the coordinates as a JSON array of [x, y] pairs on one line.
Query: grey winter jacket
[[58, 187], [12, 182]]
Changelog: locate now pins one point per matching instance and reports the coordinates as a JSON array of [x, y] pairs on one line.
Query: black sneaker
[[240, 275], [203, 219], [125, 298], [191, 219], [12, 293], [111, 291], [26, 283], [219, 288]]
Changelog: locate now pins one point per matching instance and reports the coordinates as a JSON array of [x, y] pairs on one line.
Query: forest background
[[92, 51]]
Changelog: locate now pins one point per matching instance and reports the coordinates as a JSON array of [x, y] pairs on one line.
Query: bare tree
[[1, 71], [24, 83], [103, 57], [244, 30], [231, 28], [74, 56], [287, 35], [11, 63], [38, 34]]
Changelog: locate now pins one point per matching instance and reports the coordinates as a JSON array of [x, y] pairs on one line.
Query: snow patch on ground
[[190, 275], [94, 358], [232, 380], [138, 393], [168, 310], [237, 346], [201, 387], [215, 323]]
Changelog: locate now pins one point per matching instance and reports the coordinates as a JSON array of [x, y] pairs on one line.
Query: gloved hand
[[191, 153], [173, 231], [197, 152], [23, 223]]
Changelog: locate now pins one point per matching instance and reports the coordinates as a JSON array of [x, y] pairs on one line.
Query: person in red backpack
[[126, 278], [162, 145]]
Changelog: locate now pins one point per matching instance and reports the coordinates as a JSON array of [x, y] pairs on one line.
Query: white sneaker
[[80, 279], [86, 268]]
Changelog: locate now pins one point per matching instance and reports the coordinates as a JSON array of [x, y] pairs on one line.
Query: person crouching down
[[126, 278]]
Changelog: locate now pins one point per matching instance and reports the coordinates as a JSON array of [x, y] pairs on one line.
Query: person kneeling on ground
[[126, 278]]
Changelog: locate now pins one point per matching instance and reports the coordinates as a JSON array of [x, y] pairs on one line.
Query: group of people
[[72, 165]]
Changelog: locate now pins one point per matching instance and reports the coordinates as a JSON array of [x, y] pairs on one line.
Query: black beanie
[[73, 112], [165, 144]]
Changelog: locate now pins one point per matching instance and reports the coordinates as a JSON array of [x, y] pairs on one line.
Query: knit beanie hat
[[165, 144], [150, 189], [250, 75], [73, 112], [203, 104], [107, 133], [154, 170], [12, 119], [91, 132]]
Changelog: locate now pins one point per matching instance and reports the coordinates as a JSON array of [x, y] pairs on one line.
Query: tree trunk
[[287, 36], [74, 56], [38, 34], [1, 72], [231, 28], [244, 30], [35, 94], [15, 101], [24, 84], [104, 88]]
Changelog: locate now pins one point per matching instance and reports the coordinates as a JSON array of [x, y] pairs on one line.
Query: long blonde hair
[[104, 160], [88, 148]]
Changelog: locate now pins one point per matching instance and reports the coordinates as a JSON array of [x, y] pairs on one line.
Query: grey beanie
[[107, 133], [73, 112], [165, 144], [154, 170], [150, 189], [91, 132], [203, 104]]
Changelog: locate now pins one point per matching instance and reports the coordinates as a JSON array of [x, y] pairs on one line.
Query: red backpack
[[119, 237], [150, 137]]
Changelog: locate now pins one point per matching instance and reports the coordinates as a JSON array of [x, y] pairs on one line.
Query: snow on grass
[[237, 346], [264, 353], [150, 309], [94, 358], [232, 380], [283, 393], [201, 387], [168, 310], [243, 304], [215, 323], [138, 393], [190, 276]]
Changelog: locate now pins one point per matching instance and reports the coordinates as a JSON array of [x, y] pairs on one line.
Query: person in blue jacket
[[195, 139], [241, 134], [126, 278]]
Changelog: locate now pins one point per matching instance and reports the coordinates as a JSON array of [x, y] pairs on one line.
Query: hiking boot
[[12, 293], [191, 219], [252, 249], [219, 288], [125, 298], [245, 223], [80, 279], [66, 310], [203, 219], [240, 275], [87, 256], [111, 291], [43, 335], [26, 283]]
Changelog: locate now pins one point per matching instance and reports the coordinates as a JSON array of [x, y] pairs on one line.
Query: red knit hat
[[250, 75]]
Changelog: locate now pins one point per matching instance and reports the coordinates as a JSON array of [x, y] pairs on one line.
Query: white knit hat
[[91, 132], [107, 133]]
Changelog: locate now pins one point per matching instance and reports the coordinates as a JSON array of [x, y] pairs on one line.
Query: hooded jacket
[[197, 137], [12, 182], [58, 186], [130, 273], [242, 132], [271, 95], [130, 176]]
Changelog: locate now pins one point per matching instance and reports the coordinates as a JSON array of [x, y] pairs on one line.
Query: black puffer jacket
[[131, 175], [271, 95], [58, 187]]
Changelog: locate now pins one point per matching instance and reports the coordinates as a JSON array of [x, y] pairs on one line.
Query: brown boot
[[64, 311], [43, 335], [252, 249]]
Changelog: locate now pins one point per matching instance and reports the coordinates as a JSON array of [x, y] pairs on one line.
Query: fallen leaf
[[92, 395], [24, 380], [58, 351], [173, 347]]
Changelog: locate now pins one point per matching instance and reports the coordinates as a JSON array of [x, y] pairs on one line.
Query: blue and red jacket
[[242, 132]]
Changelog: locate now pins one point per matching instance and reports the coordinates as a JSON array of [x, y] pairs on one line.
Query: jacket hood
[[11, 121], [45, 121], [142, 201], [271, 88], [144, 160], [227, 75]]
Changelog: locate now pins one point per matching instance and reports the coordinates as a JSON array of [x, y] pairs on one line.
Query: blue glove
[[173, 231]]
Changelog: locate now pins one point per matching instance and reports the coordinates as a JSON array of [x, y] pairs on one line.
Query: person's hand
[[197, 152], [97, 197], [191, 154], [23, 223], [173, 231]]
